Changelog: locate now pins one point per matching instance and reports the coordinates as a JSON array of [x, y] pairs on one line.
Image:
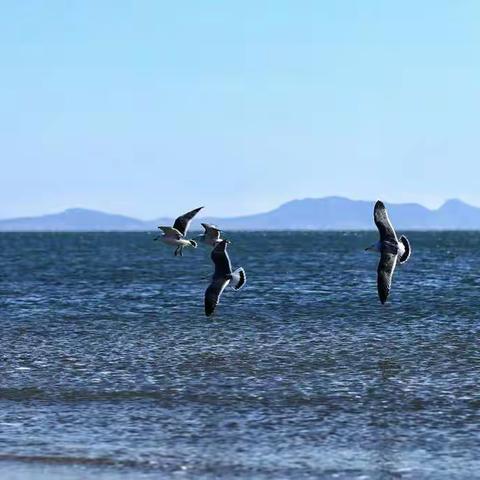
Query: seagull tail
[[239, 278], [408, 249]]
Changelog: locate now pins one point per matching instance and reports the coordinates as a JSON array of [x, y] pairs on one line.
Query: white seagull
[[222, 276], [390, 248], [211, 236], [176, 235]]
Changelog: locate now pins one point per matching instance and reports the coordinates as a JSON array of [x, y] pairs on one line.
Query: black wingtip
[[383, 299], [209, 311]]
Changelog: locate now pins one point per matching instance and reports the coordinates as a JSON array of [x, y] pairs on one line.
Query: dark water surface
[[109, 368]]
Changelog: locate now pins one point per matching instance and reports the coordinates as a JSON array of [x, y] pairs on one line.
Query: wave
[[34, 393], [69, 460], [172, 396]]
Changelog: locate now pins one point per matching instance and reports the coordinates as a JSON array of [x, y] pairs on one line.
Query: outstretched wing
[[221, 260], [182, 223], [171, 232], [386, 267], [213, 293], [211, 231], [383, 223]]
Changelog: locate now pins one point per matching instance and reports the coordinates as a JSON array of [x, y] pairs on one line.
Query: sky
[[152, 108]]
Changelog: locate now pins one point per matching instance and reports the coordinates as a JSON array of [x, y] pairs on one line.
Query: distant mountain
[[330, 213], [73, 219]]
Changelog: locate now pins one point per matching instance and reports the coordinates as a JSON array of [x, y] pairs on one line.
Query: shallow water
[[108, 365]]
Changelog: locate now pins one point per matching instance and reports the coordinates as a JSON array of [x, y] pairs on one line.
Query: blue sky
[[151, 108]]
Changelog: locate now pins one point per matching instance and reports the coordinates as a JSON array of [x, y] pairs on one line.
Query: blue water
[[109, 368]]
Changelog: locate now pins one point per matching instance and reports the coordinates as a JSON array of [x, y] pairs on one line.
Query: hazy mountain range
[[330, 213]]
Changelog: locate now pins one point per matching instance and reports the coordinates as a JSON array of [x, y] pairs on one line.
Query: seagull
[[222, 276], [176, 235], [211, 236], [390, 248]]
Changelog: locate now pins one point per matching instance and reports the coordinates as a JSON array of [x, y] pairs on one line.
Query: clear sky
[[151, 108]]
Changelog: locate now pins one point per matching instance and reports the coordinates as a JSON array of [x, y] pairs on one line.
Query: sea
[[110, 370]]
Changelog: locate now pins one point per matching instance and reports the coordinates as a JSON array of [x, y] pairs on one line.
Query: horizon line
[[58, 212]]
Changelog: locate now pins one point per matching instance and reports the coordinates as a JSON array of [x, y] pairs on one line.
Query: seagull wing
[[386, 267], [213, 293], [221, 260], [383, 223], [183, 222], [211, 231], [171, 232]]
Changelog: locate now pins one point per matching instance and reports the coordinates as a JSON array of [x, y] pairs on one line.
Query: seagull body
[[211, 236], [391, 249], [222, 277], [176, 235]]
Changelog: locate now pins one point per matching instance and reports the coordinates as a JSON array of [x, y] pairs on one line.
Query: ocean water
[[109, 368]]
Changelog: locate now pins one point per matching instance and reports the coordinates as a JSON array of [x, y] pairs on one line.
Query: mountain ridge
[[327, 213]]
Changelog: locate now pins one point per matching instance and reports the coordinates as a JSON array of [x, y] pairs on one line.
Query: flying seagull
[[222, 276], [390, 248], [176, 235], [211, 236]]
